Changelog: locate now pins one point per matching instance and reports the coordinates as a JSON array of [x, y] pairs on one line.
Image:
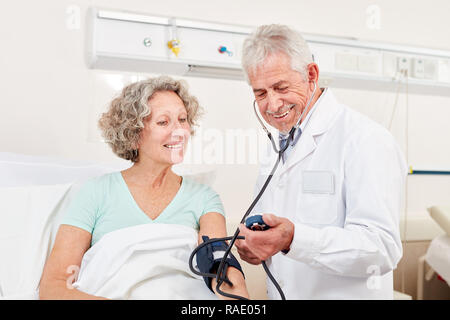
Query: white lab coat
[[343, 188]]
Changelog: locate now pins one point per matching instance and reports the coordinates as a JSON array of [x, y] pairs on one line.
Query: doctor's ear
[[312, 72]]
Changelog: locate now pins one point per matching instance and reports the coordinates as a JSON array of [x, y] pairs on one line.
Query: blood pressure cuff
[[210, 256]]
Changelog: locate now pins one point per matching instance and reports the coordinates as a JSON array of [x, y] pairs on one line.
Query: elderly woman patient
[[149, 123]]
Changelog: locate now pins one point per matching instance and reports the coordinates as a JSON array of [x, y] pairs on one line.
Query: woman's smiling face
[[166, 131]]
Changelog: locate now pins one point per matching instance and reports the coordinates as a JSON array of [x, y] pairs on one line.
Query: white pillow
[[20, 170], [199, 175], [30, 217]]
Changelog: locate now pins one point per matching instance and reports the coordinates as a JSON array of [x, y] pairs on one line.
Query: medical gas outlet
[[223, 49], [174, 46]]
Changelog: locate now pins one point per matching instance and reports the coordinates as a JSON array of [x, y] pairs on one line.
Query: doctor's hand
[[261, 245]]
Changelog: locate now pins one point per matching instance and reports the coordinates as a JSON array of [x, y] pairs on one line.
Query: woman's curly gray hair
[[122, 124]]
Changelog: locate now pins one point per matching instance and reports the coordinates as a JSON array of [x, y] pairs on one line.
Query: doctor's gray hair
[[123, 122], [275, 38]]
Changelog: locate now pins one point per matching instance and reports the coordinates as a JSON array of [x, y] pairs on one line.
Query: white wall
[[51, 100]]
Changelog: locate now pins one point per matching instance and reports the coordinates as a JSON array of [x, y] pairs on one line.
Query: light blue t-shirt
[[105, 204]]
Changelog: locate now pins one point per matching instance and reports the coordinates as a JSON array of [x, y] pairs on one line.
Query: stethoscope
[[221, 270]]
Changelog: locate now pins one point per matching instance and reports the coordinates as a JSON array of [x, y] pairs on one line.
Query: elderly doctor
[[333, 204]]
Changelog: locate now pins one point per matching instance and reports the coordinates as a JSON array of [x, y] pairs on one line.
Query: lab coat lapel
[[320, 121], [305, 146]]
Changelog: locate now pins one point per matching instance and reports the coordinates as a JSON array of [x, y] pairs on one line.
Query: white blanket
[[143, 262]]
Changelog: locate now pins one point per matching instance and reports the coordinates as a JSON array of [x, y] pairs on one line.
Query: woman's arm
[[212, 224], [56, 282]]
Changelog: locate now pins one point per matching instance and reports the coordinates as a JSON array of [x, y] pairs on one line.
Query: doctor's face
[[280, 92], [166, 131]]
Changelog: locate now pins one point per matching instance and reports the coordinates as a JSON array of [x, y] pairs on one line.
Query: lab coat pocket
[[317, 209]]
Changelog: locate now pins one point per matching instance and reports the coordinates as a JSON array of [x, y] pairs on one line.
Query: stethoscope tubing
[[221, 269]]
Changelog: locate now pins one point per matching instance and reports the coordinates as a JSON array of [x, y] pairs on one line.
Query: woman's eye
[[183, 119], [162, 123], [282, 89]]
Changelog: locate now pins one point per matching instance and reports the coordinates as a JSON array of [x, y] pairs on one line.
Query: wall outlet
[[403, 65], [430, 69], [369, 63], [418, 68], [444, 70], [346, 61], [389, 65]]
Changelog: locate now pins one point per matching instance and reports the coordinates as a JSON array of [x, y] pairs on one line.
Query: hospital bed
[[438, 253], [34, 192]]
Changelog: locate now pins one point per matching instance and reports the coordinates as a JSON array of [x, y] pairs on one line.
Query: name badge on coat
[[318, 182]]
